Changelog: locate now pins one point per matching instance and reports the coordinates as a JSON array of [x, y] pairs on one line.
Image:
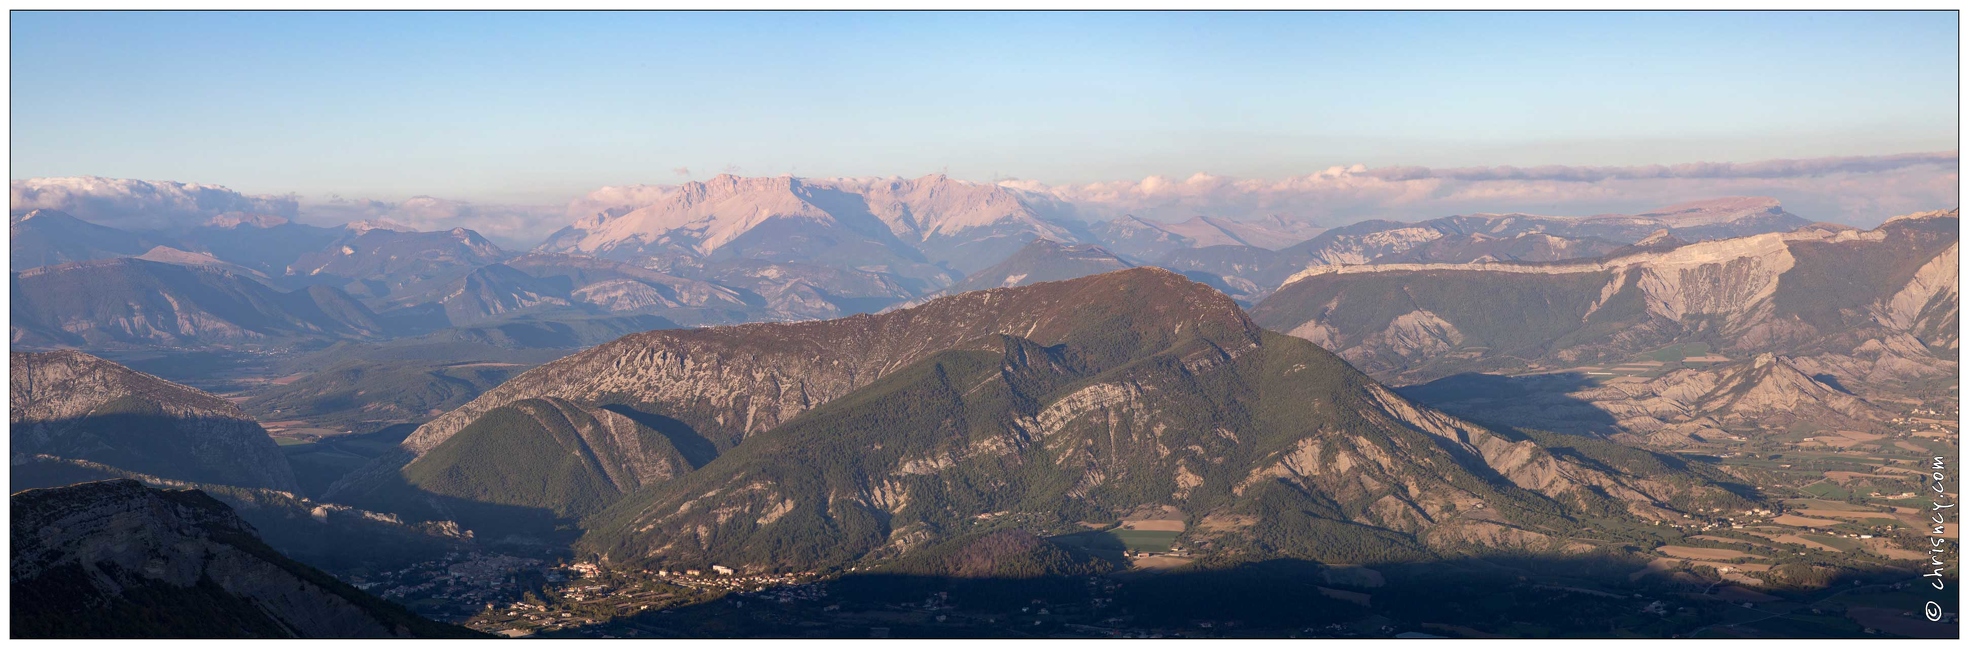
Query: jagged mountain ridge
[[904, 225]]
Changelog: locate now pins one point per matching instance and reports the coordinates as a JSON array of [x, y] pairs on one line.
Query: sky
[[536, 108]]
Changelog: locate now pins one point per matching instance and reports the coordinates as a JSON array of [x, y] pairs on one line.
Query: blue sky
[[539, 107]]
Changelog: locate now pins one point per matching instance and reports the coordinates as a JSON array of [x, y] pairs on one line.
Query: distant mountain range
[[1043, 260], [131, 301], [723, 251], [1146, 240], [1255, 272], [46, 237], [909, 227]]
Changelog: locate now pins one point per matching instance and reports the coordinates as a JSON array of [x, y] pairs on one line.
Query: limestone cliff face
[[1855, 304], [1730, 278], [1927, 306], [118, 559], [1460, 241], [73, 405]]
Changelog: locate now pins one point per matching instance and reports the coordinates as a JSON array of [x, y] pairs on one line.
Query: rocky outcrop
[[73, 405], [118, 559], [1770, 386]]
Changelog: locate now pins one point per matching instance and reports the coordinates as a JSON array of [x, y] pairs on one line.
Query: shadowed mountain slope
[[73, 405], [116, 559]]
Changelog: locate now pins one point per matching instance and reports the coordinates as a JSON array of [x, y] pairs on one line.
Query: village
[[584, 597]]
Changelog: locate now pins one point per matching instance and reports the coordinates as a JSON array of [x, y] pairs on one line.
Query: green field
[[1145, 540], [1827, 490], [1844, 544]]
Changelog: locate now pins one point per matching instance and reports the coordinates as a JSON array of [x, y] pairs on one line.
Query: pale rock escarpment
[[1837, 301], [1927, 305]]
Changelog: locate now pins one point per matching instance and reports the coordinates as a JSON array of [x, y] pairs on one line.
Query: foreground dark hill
[[1041, 407], [72, 405], [116, 559], [1864, 307]]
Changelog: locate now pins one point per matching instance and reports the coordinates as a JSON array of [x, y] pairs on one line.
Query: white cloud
[[1857, 190], [509, 225], [140, 204], [616, 200]]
